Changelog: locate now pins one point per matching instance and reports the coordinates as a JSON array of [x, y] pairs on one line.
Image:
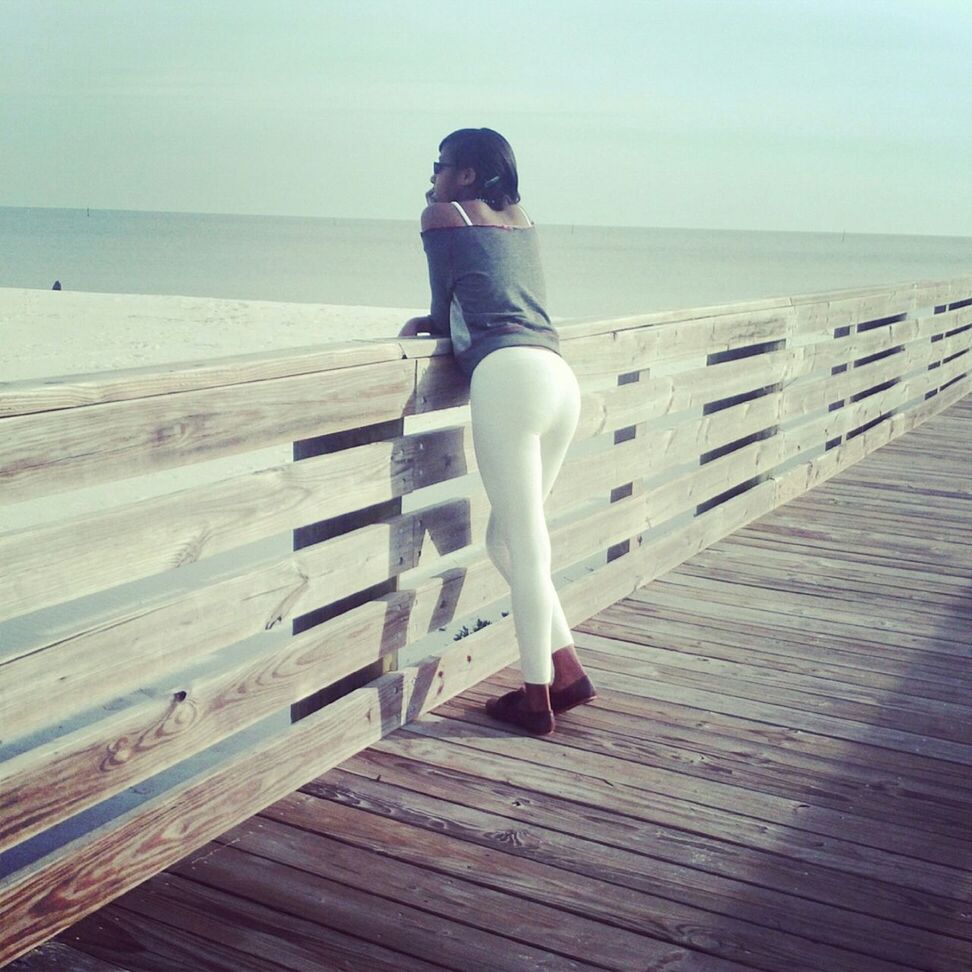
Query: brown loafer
[[577, 693], [511, 708]]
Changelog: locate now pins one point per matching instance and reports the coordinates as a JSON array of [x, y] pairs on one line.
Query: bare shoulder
[[482, 214], [520, 217], [438, 215]]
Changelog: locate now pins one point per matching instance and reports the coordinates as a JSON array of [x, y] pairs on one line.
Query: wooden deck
[[775, 776]]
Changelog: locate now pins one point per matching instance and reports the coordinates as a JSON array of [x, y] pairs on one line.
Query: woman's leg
[[553, 446], [524, 411]]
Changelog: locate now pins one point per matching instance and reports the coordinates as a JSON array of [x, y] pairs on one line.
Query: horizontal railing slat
[[84, 555], [814, 395], [638, 349], [54, 451], [99, 388]]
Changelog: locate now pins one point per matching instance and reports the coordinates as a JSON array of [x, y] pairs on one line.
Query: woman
[[488, 296]]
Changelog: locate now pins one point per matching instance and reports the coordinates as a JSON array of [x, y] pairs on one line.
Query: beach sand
[[47, 333]]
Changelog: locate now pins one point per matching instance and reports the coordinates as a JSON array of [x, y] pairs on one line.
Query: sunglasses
[[437, 167]]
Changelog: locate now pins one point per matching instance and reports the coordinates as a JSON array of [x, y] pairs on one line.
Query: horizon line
[[371, 219]]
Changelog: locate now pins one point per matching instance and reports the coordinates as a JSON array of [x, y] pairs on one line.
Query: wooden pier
[[775, 776]]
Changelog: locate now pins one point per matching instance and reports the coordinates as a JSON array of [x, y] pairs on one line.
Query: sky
[[811, 115]]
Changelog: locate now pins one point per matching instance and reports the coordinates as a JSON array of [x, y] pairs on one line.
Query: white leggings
[[524, 403]]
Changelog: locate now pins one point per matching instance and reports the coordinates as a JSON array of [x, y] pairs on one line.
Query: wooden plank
[[802, 712], [912, 334], [621, 864], [268, 933], [127, 384], [802, 609], [809, 396], [763, 536], [858, 706], [52, 894], [531, 872], [785, 652], [324, 881], [825, 313], [71, 558], [573, 330], [866, 767], [309, 914], [637, 402], [319, 530], [747, 547], [941, 538], [152, 946], [828, 576], [793, 828], [674, 602], [879, 502], [846, 655], [716, 327], [55, 780], [51, 452], [641, 347], [57, 957], [818, 784], [818, 431], [943, 291], [819, 470], [499, 757], [457, 779]]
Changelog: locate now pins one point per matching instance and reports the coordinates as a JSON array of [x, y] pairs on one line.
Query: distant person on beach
[[488, 296], [57, 285]]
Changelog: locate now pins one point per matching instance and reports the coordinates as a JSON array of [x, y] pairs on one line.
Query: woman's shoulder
[[440, 215], [444, 215]]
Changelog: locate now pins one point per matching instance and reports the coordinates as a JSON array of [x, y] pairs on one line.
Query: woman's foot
[[528, 708], [571, 686]]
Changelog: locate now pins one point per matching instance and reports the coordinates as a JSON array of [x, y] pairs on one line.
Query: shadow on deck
[[775, 776]]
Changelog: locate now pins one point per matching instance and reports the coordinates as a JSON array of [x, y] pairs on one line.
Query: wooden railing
[[148, 703]]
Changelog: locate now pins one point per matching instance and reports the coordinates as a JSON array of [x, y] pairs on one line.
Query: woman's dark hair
[[490, 155]]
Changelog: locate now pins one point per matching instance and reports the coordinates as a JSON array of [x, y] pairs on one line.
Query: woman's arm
[[416, 325], [435, 216]]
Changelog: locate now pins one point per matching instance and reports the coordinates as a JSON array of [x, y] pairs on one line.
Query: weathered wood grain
[[430, 907], [54, 451], [582, 808], [535, 870], [99, 388], [621, 865], [69, 559]]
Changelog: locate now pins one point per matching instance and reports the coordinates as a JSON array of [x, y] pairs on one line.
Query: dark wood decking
[[775, 776]]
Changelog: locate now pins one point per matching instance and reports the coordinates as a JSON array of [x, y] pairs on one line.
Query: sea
[[590, 270]]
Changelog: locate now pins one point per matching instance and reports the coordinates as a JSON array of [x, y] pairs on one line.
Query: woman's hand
[[415, 326]]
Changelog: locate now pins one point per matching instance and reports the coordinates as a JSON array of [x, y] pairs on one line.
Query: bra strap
[[462, 212]]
